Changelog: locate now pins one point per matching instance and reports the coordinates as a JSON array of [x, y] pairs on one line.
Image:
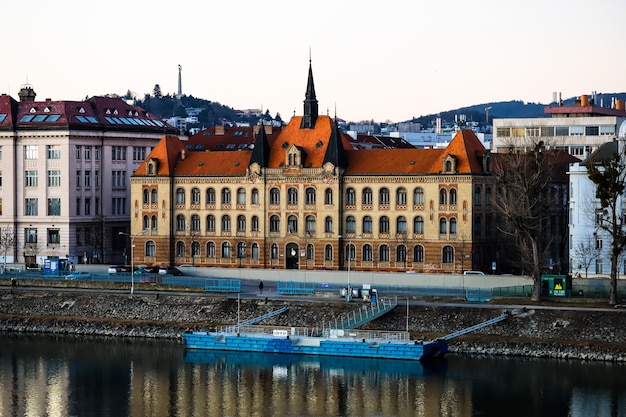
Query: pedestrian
[[261, 286]]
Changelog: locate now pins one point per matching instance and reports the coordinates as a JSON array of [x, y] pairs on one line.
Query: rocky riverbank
[[531, 332]]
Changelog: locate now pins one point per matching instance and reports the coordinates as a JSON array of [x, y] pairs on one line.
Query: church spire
[[310, 103]]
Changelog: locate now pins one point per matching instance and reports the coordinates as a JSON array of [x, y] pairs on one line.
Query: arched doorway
[[291, 256]]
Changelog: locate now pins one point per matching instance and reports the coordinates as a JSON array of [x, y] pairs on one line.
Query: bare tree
[[7, 243], [462, 250], [585, 253]]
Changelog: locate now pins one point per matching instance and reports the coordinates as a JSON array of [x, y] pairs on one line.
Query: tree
[[608, 172], [585, 253], [7, 243], [157, 91]]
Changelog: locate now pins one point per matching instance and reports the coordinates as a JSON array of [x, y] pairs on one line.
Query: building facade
[[302, 198], [65, 172]]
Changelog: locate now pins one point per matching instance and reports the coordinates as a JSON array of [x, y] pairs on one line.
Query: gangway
[[475, 327], [235, 328], [363, 315]]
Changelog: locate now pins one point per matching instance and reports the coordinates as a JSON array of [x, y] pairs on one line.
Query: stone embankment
[[552, 333]]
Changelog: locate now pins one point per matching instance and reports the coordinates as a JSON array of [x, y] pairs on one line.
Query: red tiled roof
[[313, 141]]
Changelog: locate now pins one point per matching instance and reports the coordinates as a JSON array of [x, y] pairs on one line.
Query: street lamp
[[132, 264]]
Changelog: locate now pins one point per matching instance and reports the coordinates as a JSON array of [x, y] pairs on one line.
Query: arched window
[[195, 249], [146, 223], [328, 253], [241, 196], [241, 223], [310, 224], [210, 223], [448, 254], [401, 253], [241, 250], [453, 226], [367, 224], [367, 196], [180, 196], [180, 249], [350, 252], [274, 223], [255, 224], [383, 255], [146, 196], [210, 196], [255, 251], [154, 197], [418, 253], [453, 196], [328, 196], [195, 196], [418, 196], [350, 197], [226, 223], [401, 196], [210, 250], [368, 253], [226, 250], [292, 224], [418, 225], [255, 196], [477, 228], [350, 224], [274, 196], [195, 223], [225, 196], [310, 196], [292, 196], [443, 196], [328, 225], [153, 222], [150, 248], [384, 224], [310, 251], [180, 223], [477, 192], [383, 196], [443, 226], [401, 224], [488, 196], [274, 251]]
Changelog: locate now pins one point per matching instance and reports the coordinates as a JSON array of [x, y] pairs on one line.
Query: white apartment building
[[65, 169]]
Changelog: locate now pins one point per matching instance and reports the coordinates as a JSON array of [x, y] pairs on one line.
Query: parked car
[[32, 267], [170, 270], [78, 275], [473, 273], [114, 269], [149, 269]]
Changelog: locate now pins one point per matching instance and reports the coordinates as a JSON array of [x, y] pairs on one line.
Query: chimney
[[27, 94], [183, 154]]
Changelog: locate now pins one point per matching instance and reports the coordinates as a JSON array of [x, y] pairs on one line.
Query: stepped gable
[[313, 141]]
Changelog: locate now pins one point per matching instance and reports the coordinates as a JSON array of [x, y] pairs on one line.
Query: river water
[[64, 377]]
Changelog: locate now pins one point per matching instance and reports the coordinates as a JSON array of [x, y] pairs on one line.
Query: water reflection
[[68, 377]]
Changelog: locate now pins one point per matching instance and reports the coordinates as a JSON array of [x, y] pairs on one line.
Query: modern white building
[[65, 169]]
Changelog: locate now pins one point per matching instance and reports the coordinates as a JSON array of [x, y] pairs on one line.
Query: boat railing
[[380, 336]]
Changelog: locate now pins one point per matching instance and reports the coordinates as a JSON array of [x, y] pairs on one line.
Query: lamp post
[[132, 261]]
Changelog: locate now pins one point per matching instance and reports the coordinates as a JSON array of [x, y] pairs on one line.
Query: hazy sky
[[381, 60]]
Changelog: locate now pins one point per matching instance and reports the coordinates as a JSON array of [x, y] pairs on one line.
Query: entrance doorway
[[291, 256]]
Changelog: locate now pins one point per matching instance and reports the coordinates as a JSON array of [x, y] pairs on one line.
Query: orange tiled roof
[[313, 141], [166, 151]]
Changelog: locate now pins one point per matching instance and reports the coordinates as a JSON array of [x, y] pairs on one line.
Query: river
[[66, 377]]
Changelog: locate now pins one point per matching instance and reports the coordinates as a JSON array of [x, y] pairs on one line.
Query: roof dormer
[[152, 167], [449, 165]]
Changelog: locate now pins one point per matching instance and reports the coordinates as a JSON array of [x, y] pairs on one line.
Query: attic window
[[282, 164], [130, 112], [200, 164], [33, 109], [81, 110], [285, 145], [309, 165], [412, 163], [236, 164], [47, 109], [108, 111], [319, 144], [136, 113], [115, 111]]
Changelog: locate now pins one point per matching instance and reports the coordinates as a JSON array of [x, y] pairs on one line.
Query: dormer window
[[115, 111], [33, 109], [81, 110], [449, 164], [47, 109], [294, 156], [108, 111], [152, 167]]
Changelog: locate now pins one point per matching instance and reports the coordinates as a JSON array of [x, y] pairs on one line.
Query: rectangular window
[[604, 131], [118, 153], [547, 131], [54, 152], [96, 153], [78, 151], [118, 206], [576, 130], [78, 177], [139, 153], [518, 132], [53, 236], [0, 178], [54, 207], [54, 178], [30, 207], [561, 131], [87, 178], [592, 130], [87, 152], [118, 179], [31, 152], [30, 235], [87, 206], [97, 178], [31, 179], [78, 206], [503, 132], [97, 207], [532, 132]]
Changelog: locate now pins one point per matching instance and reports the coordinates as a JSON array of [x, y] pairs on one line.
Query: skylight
[[27, 118], [53, 118], [2, 117], [39, 118]]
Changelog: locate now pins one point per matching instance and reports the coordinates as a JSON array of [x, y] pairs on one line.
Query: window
[[310, 196], [310, 251], [97, 152], [241, 196], [87, 206], [384, 224], [255, 197], [226, 223], [418, 196], [97, 178], [532, 132], [31, 152], [453, 196], [384, 196], [225, 196], [210, 196], [418, 253], [54, 207], [477, 193], [118, 206], [443, 196], [292, 196], [153, 222], [146, 222], [146, 196], [488, 196], [367, 224], [241, 223], [195, 196], [401, 224], [503, 132], [275, 224], [592, 130], [418, 225], [383, 255], [275, 196], [241, 250], [448, 254], [119, 179], [195, 248], [328, 196], [255, 251], [350, 224], [150, 248], [79, 205], [31, 179], [350, 197], [87, 153], [274, 251], [118, 153], [195, 223], [87, 178], [30, 235], [453, 226], [328, 225], [367, 196], [30, 207], [180, 249], [547, 131], [79, 152], [54, 178], [401, 197], [154, 197], [180, 196], [401, 253], [368, 253], [598, 244], [139, 153], [443, 226], [255, 224], [210, 250], [79, 176], [310, 224], [53, 236], [292, 224], [328, 253], [54, 152], [210, 223], [350, 252], [180, 223], [561, 131]]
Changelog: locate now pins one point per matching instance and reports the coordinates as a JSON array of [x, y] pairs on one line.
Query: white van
[[473, 273]]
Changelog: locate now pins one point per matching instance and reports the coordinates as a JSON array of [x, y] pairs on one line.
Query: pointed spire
[[310, 103], [335, 152], [261, 151]]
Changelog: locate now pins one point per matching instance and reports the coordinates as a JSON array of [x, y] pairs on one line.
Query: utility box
[[556, 285]]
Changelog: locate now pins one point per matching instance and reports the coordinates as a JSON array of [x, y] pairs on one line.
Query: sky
[[372, 60]]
